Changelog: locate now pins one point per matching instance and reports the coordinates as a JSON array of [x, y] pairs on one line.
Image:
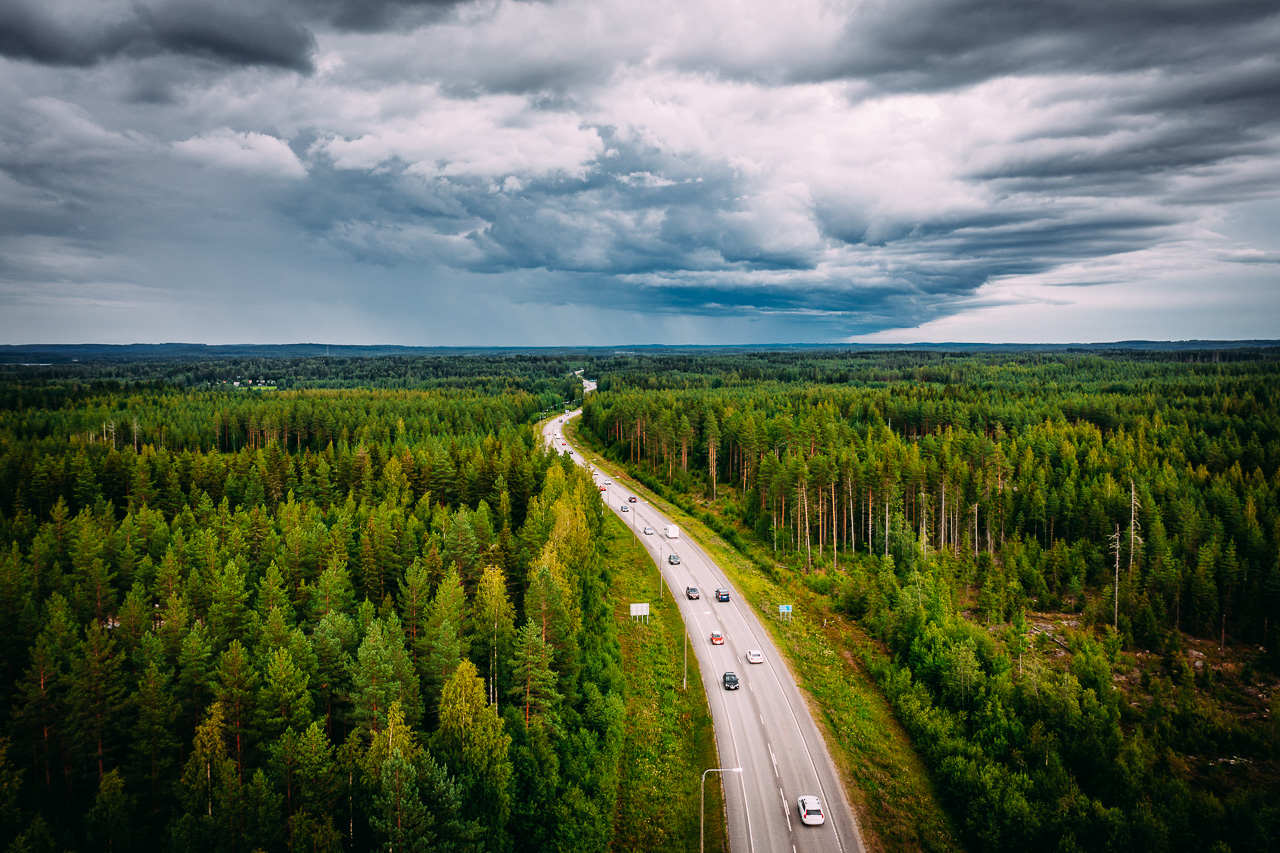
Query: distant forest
[[346, 603]]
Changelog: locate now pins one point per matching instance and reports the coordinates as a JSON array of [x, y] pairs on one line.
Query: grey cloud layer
[[935, 45], [82, 34], [868, 170]]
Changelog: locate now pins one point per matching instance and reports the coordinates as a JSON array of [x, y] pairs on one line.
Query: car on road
[[722, 594], [717, 639], [608, 482], [691, 592], [631, 499], [624, 507], [673, 559], [648, 531], [755, 656], [604, 488], [730, 681], [811, 810]]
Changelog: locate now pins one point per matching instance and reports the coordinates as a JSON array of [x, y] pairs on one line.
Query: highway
[[765, 726]]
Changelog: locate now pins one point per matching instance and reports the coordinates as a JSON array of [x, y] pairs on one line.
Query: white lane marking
[[774, 759], [733, 738], [812, 764], [732, 734], [769, 664], [786, 811]]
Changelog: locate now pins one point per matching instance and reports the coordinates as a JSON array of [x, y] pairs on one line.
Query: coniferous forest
[[1069, 565], [353, 604], [300, 620]]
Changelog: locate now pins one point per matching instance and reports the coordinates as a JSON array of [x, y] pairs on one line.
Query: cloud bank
[[614, 173]]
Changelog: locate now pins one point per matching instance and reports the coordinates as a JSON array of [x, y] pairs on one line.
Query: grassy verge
[[670, 739], [885, 779]]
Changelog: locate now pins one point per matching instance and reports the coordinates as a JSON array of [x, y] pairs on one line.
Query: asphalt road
[[765, 726]]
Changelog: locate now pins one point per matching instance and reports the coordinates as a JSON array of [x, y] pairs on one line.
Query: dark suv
[[730, 681], [722, 594]]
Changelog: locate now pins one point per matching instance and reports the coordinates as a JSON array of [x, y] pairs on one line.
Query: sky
[[601, 172]]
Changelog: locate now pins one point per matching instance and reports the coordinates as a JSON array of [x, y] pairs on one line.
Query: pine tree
[[273, 595], [533, 679], [95, 692], [154, 746], [235, 689], [40, 711], [415, 602], [492, 623], [474, 748], [712, 432], [333, 644], [111, 817], [205, 823], [283, 701], [333, 592], [383, 674], [195, 677], [317, 789], [229, 613], [399, 815], [443, 634]]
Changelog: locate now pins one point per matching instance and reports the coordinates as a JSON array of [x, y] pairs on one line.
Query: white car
[[811, 810], [648, 531], [755, 656]]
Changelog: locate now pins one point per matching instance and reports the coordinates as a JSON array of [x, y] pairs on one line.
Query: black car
[[673, 559], [722, 594], [730, 681], [691, 592]]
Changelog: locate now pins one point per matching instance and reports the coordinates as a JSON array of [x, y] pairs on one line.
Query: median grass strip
[[670, 739], [885, 779]]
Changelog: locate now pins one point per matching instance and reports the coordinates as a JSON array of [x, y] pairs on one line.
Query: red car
[[717, 639]]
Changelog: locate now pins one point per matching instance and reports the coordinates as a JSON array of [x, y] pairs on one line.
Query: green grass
[[884, 778], [670, 738]]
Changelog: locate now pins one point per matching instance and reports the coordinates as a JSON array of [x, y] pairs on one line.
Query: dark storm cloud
[[83, 34], [941, 44], [373, 15], [635, 212]]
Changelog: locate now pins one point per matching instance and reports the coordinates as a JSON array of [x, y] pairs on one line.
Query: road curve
[[765, 726]]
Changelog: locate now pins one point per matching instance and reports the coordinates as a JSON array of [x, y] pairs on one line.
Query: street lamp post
[[702, 803]]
